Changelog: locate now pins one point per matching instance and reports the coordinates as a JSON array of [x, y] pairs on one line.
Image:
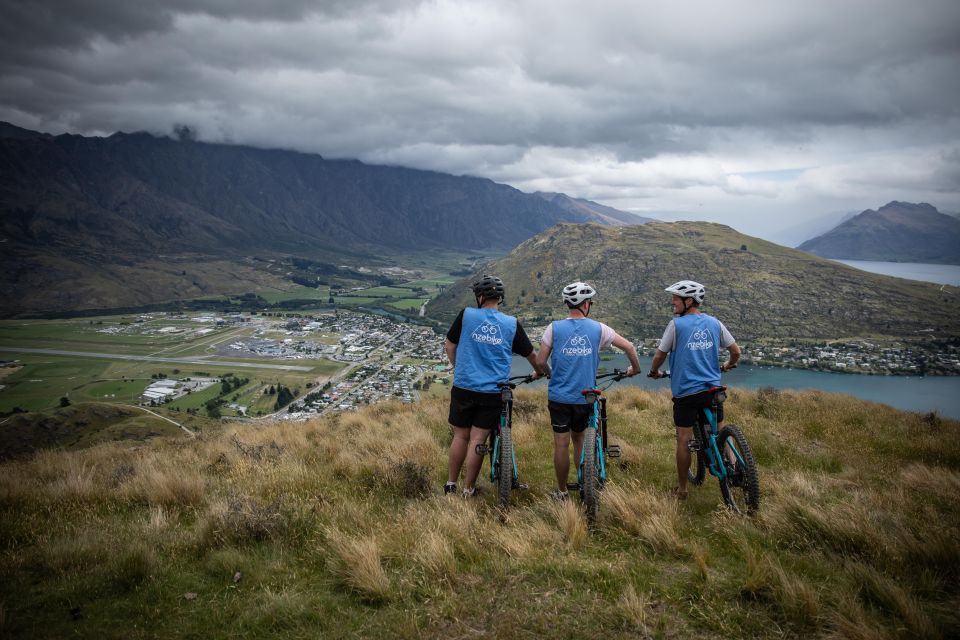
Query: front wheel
[[504, 464], [590, 485], [741, 487]]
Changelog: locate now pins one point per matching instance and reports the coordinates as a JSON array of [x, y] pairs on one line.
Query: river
[[923, 394]]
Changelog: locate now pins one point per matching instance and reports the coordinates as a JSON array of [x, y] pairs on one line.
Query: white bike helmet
[[688, 289], [576, 292]]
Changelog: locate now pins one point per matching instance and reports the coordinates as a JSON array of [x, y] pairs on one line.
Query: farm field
[[40, 380]]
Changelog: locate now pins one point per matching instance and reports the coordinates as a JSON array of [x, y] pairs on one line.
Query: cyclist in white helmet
[[573, 365], [692, 340]]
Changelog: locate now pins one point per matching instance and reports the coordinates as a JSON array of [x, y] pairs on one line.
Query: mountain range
[[759, 289], [75, 210], [896, 232]]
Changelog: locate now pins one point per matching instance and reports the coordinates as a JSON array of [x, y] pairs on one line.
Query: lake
[[936, 273], [929, 393]]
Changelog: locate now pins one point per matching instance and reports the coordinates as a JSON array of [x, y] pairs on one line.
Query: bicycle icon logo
[[700, 334], [488, 328], [577, 346]]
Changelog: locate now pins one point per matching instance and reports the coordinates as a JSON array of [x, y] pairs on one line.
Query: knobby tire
[[741, 491], [698, 468], [591, 476], [505, 468]]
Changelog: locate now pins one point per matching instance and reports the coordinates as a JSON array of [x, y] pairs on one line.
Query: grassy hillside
[[335, 529], [759, 289]]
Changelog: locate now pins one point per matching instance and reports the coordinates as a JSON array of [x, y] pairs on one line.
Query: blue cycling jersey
[[485, 350], [574, 359], [695, 358]]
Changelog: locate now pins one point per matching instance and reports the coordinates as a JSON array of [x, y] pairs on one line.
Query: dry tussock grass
[[82, 551], [358, 562], [931, 481], [358, 445], [846, 527], [435, 555], [767, 580], [572, 522], [637, 399], [158, 482], [634, 607], [650, 515], [873, 587], [905, 525], [452, 519], [240, 520], [850, 621]]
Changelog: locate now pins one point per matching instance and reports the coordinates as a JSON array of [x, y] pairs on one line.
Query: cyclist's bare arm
[[622, 343], [540, 368], [451, 349], [734, 350], [658, 359]]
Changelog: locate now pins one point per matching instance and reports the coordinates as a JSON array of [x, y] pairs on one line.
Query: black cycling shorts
[[569, 417], [685, 409], [474, 409]]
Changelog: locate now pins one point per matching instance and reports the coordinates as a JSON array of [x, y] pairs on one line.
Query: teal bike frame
[[706, 435], [592, 470]]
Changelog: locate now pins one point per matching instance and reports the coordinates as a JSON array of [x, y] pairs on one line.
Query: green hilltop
[[759, 289], [336, 528]]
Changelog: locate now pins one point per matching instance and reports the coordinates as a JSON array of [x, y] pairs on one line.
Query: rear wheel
[[698, 470], [504, 468], [741, 487], [590, 488]]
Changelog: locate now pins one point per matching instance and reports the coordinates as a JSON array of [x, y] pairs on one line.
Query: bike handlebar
[[616, 374]]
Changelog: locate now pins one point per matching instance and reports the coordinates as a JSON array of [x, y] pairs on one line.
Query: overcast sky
[[761, 114]]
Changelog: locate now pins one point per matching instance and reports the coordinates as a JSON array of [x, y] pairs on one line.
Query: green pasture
[[196, 399], [355, 300], [381, 292], [112, 390], [414, 303], [297, 293], [43, 380], [429, 283]]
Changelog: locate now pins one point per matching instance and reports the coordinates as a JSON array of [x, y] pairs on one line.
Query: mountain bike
[[503, 461], [592, 470], [737, 470]]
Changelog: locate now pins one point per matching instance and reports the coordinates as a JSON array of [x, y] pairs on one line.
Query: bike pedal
[[482, 450], [519, 486], [693, 445], [613, 451], [573, 486]]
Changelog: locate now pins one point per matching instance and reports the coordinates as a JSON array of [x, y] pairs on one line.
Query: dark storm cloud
[[615, 98]]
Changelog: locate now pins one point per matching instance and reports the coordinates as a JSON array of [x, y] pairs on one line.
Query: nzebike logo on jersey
[[487, 333], [577, 346], [701, 339]]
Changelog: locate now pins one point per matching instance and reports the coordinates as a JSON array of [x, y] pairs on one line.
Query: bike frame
[[597, 426], [506, 422], [708, 441]]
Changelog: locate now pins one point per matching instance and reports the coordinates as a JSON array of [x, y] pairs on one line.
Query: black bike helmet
[[488, 287]]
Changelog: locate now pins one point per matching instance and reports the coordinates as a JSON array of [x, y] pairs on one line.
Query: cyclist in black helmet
[[693, 341], [480, 346]]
